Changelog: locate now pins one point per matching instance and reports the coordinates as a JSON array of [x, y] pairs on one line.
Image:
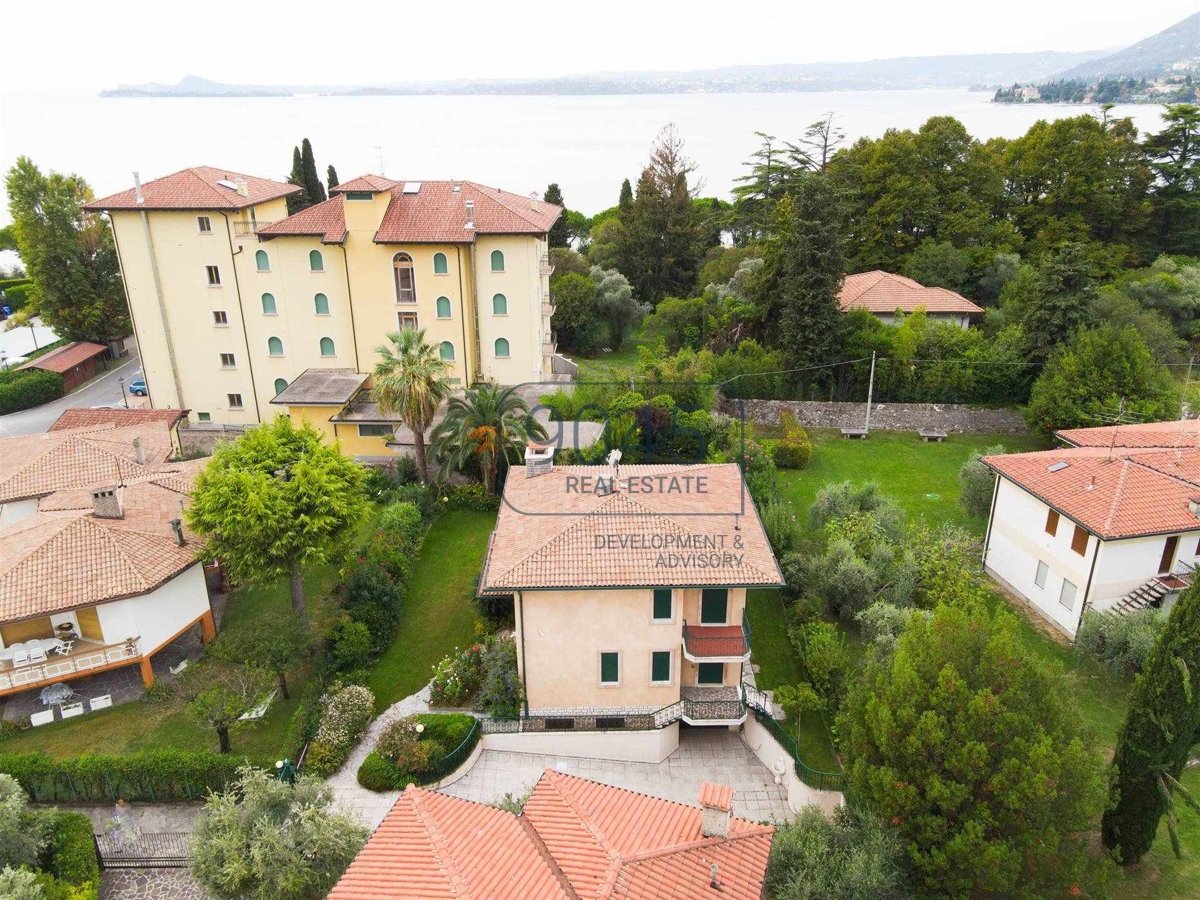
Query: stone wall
[[953, 418], [201, 439]]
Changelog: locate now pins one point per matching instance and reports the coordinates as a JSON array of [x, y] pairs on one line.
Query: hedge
[[27, 388], [451, 736], [149, 775], [71, 856], [17, 296]]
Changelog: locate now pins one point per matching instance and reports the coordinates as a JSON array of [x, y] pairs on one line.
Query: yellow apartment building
[[233, 301]]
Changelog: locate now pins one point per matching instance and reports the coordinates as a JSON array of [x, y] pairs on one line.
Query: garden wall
[[953, 418], [651, 746], [771, 754]]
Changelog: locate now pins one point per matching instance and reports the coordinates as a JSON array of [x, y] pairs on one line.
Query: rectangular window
[[358, 195], [1197, 548], [710, 673], [219, 317], [1079, 541], [714, 605], [228, 361], [204, 224], [203, 417], [1052, 522], [376, 431], [1043, 570], [660, 667], [407, 321], [662, 605], [1067, 595], [235, 401], [610, 668], [213, 274]]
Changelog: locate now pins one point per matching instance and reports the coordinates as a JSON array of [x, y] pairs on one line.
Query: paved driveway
[[704, 754], [100, 390]]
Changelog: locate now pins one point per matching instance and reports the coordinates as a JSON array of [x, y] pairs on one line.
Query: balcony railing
[[547, 267], [713, 704], [549, 347], [547, 308], [83, 658], [249, 229], [712, 643]]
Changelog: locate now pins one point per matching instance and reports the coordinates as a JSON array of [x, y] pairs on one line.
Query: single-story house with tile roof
[[97, 570], [1110, 522], [75, 362], [885, 294], [629, 586], [96, 419], [574, 838]]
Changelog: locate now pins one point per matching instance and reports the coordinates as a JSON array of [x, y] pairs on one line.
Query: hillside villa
[[1109, 522], [233, 300], [574, 838], [97, 571], [629, 586], [884, 295]]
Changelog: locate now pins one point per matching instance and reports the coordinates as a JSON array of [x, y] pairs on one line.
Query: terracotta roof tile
[[325, 220], [717, 796], [196, 188], [438, 214], [119, 418], [683, 526], [1140, 435], [373, 183], [65, 358], [883, 292]]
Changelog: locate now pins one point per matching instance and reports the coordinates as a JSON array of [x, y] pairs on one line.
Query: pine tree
[[625, 202], [1162, 725], [331, 178], [1060, 300], [298, 201], [796, 291], [312, 182], [560, 231]]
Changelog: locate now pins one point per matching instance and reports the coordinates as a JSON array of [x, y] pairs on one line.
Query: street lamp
[[4, 358], [34, 334], [124, 393]]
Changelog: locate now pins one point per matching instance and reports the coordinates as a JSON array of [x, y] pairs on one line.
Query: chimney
[[139, 455], [177, 527], [240, 184], [470, 214], [717, 803], [539, 459], [137, 189], [106, 504]]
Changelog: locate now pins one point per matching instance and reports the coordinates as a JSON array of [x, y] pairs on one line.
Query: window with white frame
[[203, 417], [228, 361], [235, 401], [1066, 596], [376, 430], [610, 668], [1043, 571], [204, 224], [660, 667], [219, 317], [213, 274]]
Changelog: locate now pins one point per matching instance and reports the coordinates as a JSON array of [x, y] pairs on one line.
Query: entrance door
[[710, 673], [714, 605], [1168, 557]]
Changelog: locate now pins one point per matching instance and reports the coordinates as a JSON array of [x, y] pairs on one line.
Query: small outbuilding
[[76, 362]]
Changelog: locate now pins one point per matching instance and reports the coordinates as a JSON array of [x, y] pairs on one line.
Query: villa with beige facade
[[629, 585], [233, 300]]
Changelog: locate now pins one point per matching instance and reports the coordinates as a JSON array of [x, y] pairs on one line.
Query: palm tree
[[410, 382], [487, 424]]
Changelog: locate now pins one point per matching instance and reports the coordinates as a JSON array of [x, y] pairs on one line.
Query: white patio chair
[[37, 654], [70, 710], [104, 701], [64, 647], [41, 718], [20, 656]]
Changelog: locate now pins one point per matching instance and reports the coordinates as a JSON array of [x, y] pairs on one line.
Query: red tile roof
[[117, 418], [1119, 495], [324, 220], [715, 640], [717, 796], [883, 292], [575, 838], [65, 358], [197, 188], [373, 183], [1180, 433]]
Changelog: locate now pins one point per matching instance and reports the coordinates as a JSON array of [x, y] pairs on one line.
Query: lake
[[585, 143]]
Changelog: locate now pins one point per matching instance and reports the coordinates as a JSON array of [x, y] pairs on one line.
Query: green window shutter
[[710, 673], [662, 603], [610, 668], [439, 264], [660, 665], [714, 605]]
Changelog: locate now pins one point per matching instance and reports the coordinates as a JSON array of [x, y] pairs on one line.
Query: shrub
[[825, 656], [500, 688], [19, 884], [393, 546], [24, 832], [457, 677], [1119, 643], [794, 449], [883, 623], [17, 296], [794, 570], [842, 500], [781, 526], [977, 483], [26, 388], [405, 755], [148, 775], [72, 850], [469, 496], [372, 598], [497, 609], [345, 714]]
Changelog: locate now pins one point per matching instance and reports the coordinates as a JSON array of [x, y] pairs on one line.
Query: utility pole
[[1183, 406], [870, 393]]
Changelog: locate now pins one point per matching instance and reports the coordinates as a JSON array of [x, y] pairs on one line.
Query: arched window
[[321, 304], [327, 346], [443, 307], [439, 264], [447, 351], [268, 302], [261, 262], [316, 262], [406, 285], [280, 384], [499, 305], [497, 261], [274, 346], [501, 348]]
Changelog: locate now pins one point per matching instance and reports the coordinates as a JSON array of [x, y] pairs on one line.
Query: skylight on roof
[[1058, 466], [411, 187], [226, 183]]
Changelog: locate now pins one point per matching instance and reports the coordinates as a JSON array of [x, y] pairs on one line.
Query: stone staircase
[[1149, 594]]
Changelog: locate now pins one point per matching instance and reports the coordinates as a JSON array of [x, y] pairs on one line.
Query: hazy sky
[[87, 44]]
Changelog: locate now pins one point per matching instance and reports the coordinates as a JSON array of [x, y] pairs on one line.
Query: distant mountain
[[1156, 55], [880, 74]]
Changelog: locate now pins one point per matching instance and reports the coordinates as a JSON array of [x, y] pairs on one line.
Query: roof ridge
[[546, 855], [556, 780], [519, 213], [1118, 492], [437, 841], [755, 830]]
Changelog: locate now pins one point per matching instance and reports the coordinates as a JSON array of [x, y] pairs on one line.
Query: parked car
[[138, 387]]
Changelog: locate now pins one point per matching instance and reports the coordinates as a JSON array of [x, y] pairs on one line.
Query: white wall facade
[[630, 746], [1124, 565], [158, 616]]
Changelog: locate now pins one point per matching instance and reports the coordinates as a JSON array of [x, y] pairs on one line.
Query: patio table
[[56, 693], [47, 644]]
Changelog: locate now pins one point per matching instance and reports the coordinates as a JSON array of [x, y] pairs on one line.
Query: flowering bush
[[345, 713], [457, 677]]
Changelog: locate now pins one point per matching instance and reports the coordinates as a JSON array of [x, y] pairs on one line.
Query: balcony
[[715, 705], [549, 347], [248, 229], [546, 268], [716, 643], [547, 308], [85, 658]]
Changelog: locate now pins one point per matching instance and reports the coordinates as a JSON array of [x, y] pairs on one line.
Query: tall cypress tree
[[1162, 725], [297, 202], [626, 198], [312, 182], [331, 178], [560, 232]]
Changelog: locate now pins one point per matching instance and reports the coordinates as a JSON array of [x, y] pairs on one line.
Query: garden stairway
[[1149, 594]]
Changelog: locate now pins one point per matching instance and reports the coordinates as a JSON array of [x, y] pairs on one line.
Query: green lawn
[[1160, 875], [439, 614], [613, 366]]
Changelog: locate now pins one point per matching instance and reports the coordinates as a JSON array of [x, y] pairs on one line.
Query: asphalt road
[[98, 391]]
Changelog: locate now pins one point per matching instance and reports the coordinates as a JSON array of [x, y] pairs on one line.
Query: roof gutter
[[524, 667]]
